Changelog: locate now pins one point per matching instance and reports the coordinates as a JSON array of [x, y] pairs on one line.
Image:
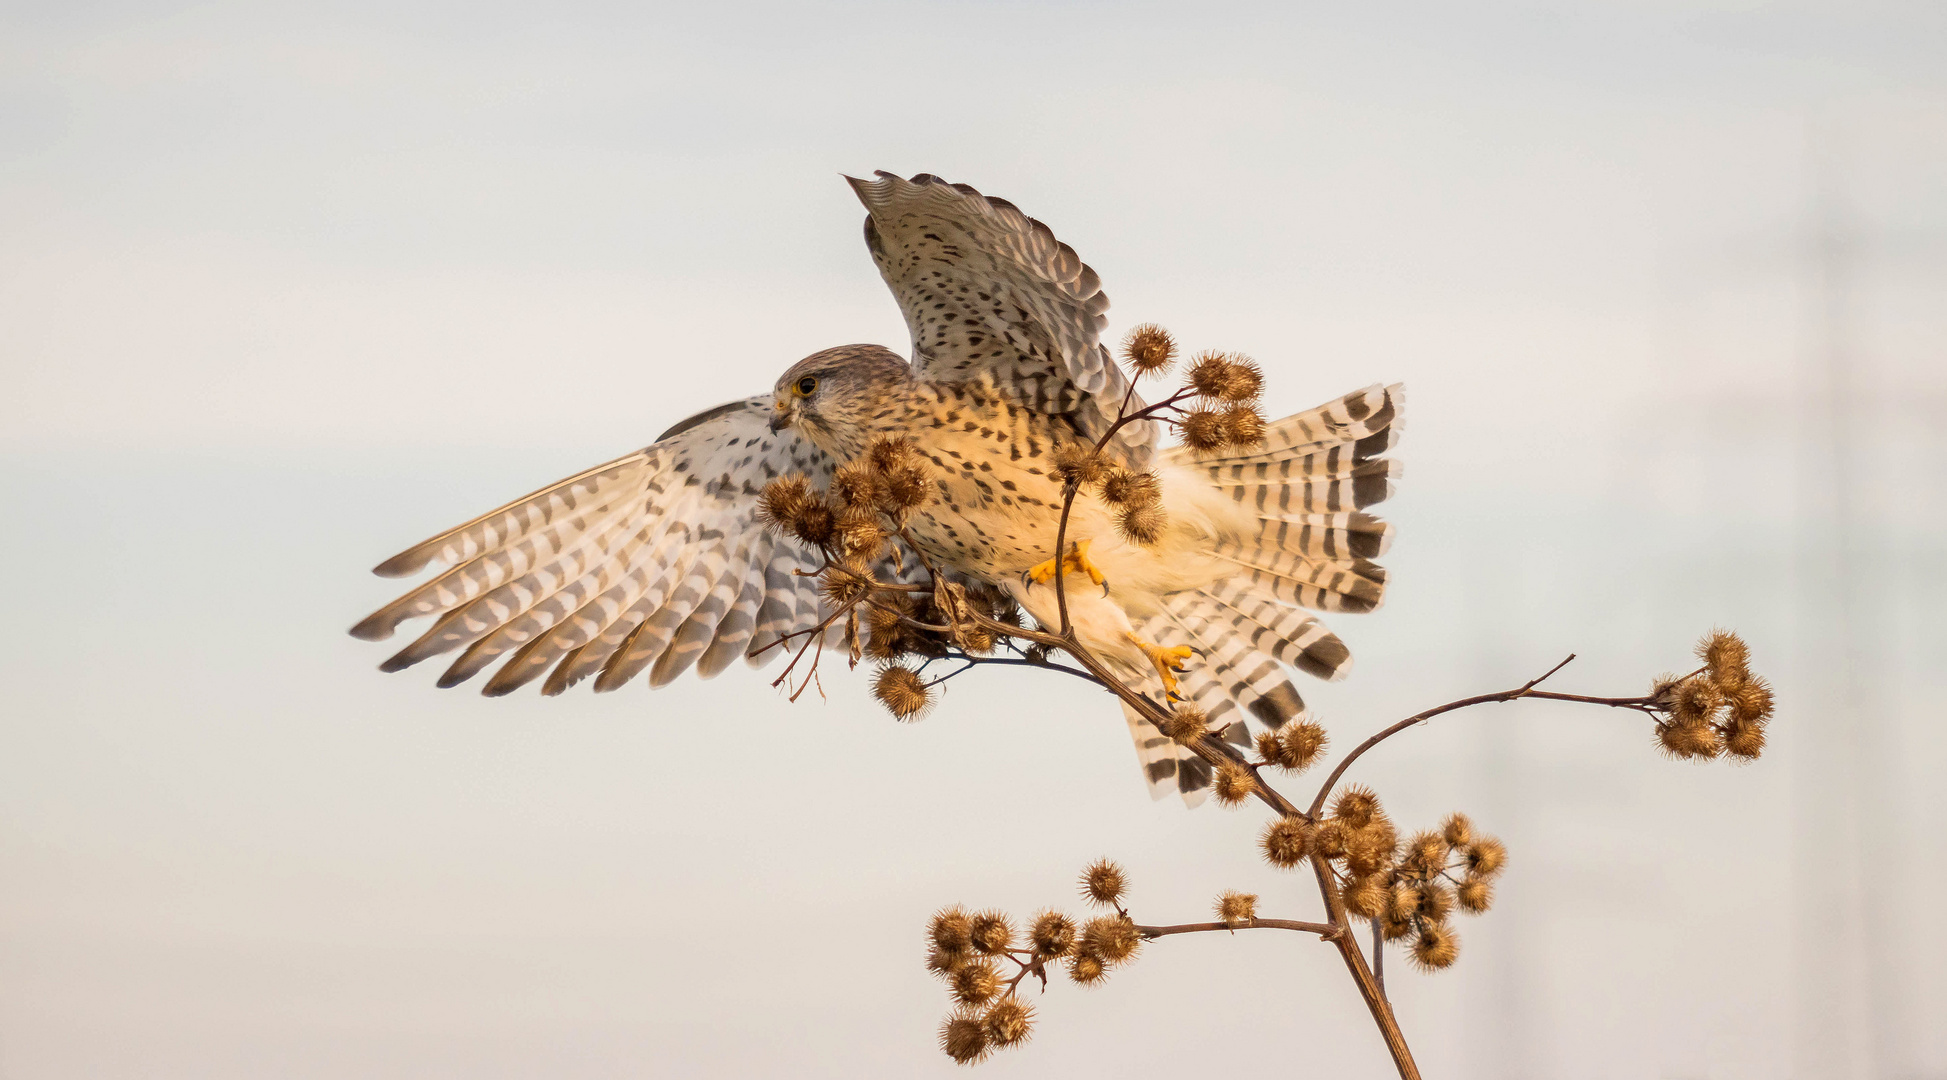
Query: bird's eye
[[806, 385]]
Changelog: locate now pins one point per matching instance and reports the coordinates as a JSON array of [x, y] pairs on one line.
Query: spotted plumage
[[656, 561]]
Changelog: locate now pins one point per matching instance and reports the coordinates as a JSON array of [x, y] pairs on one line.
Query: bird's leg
[[1076, 559], [1168, 662]]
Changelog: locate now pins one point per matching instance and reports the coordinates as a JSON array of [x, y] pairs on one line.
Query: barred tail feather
[[1308, 544], [1167, 767]]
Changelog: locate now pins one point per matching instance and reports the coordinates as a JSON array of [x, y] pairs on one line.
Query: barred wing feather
[[654, 561], [989, 293]]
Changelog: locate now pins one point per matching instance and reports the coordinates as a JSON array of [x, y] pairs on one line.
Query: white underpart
[[1138, 575]]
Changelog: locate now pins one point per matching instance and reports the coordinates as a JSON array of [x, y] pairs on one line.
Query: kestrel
[[657, 560]]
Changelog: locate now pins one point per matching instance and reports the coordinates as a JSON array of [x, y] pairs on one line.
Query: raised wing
[[989, 292], [654, 560]]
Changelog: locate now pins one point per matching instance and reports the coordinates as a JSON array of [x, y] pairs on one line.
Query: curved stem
[[1323, 930], [1325, 789]]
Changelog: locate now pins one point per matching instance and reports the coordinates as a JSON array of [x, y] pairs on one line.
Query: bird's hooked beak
[[781, 416]]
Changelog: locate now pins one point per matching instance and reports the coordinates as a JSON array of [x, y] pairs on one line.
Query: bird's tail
[[1312, 545]]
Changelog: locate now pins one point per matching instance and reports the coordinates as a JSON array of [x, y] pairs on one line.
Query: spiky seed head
[[1236, 908], [1079, 464], [906, 489], [1243, 427], [1218, 377], [1745, 741], [888, 453], [1693, 739], [951, 930], [1381, 829], [944, 964], [1355, 806], [783, 500], [1486, 857], [1111, 937], [1203, 430], [976, 639], [1286, 842], [1329, 838], [887, 645], [1751, 702], [861, 535], [1143, 524], [1188, 724], [1404, 902], [1009, 1021], [1149, 349], [1475, 895], [1436, 900], [841, 587], [1228, 378], [1123, 488], [1269, 746], [1233, 784], [975, 982], [1726, 656], [1243, 382], [1394, 929], [1086, 968], [991, 933], [1426, 851], [901, 690], [1437, 946], [1367, 896], [963, 1036], [1457, 830], [1696, 700], [1052, 934], [1663, 691], [855, 485], [1103, 883], [885, 612], [889, 640], [1303, 742], [1368, 850], [815, 524]]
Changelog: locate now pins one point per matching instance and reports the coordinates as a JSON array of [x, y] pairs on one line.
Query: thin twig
[[1324, 930], [1331, 782]]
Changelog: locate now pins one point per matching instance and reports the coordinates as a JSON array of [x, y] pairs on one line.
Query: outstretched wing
[[989, 292], [654, 560]]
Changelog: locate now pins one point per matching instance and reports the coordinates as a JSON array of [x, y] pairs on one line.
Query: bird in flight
[[659, 561]]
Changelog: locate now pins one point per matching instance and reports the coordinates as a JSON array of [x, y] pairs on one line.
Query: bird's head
[[830, 396]]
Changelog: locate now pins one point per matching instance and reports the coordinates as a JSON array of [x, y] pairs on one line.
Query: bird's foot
[[1076, 560], [1168, 662]]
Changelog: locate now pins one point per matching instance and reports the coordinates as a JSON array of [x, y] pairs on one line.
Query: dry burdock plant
[[1406, 888]]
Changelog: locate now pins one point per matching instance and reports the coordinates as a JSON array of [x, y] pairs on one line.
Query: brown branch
[[1362, 976], [1325, 789], [1323, 930]]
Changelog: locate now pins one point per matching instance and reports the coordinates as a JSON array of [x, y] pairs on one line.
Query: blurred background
[[288, 287]]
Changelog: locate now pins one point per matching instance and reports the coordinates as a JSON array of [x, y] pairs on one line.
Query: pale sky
[[285, 288]]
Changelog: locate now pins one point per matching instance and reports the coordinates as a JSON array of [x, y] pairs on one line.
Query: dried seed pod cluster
[[1294, 747], [855, 525], [968, 952], [1227, 388], [1409, 887], [1719, 709]]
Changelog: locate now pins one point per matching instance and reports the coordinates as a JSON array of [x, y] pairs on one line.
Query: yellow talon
[[1076, 559], [1168, 662]]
